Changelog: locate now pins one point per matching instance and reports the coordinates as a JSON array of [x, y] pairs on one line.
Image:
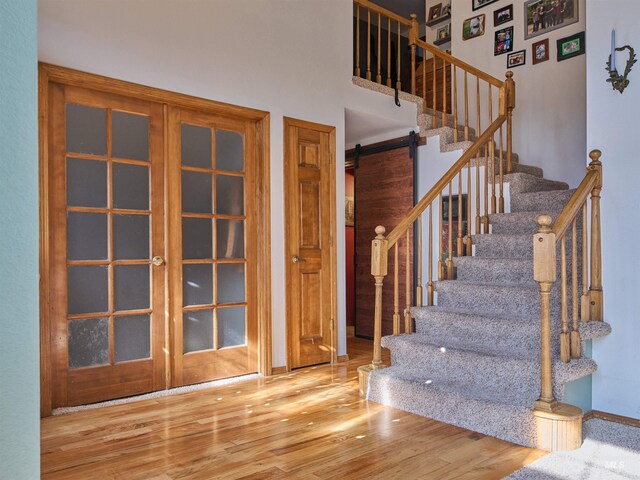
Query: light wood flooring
[[309, 424]]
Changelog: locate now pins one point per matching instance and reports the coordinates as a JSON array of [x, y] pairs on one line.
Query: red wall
[[349, 236]]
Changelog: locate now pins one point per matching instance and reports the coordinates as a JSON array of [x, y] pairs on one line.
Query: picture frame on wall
[[477, 4], [503, 15], [435, 11], [473, 27], [444, 33], [543, 16], [516, 59], [571, 46], [540, 51], [503, 41]]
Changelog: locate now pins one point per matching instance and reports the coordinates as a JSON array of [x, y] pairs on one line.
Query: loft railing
[[476, 176], [586, 304]]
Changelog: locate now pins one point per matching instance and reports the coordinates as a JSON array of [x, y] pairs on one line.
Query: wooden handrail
[[457, 62], [383, 11], [571, 210], [432, 194]]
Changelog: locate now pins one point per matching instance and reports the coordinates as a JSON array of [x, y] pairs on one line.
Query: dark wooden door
[[383, 196]]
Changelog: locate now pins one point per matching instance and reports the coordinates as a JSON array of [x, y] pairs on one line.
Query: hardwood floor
[[309, 424]]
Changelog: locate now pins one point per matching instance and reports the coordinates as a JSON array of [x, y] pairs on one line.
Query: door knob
[[296, 259], [157, 261]]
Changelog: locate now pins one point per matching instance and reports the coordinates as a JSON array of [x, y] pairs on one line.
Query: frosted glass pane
[[196, 192], [86, 129], [131, 287], [196, 146], [130, 136], [197, 331], [87, 236], [130, 186], [231, 327], [130, 237], [131, 337], [230, 238], [229, 155], [87, 289], [229, 195], [230, 282], [88, 342], [197, 284], [197, 238], [86, 183]]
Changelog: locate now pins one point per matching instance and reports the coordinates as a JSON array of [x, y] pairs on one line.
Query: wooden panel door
[[212, 245], [105, 174], [383, 196], [308, 250]]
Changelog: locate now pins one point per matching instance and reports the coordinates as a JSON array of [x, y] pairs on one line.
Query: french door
[[151, 246]]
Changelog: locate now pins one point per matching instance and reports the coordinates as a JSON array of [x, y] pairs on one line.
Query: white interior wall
[[612, 126], [549, 119], [288, 57]]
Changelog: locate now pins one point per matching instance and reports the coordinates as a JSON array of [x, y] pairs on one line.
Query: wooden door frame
[[51, 74], [293, 122]]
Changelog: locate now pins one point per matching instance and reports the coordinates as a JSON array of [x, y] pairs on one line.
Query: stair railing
[[586, 304]]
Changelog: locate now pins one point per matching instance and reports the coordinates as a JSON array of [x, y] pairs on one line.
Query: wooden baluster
[[466, 110], [511, 104], [430, 259], [544, 272], [413, 36], [378, 72], [368, 44], [460, 248], [485, 217], [492, 152], [584, 299], [357, 40], [444, 92], [379, 252], [424, 81], [595, 290], [398, 84], [575, 306], [565, 349], [501, 201], [396, 295], [440, 257], [450, 275], [468, 232], [434, 101], [419, 260], [389, 52], [478, 155], [408, 327], [455, 104]]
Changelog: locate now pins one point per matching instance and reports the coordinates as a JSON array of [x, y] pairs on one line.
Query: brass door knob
[[296, 259], [157, 261]]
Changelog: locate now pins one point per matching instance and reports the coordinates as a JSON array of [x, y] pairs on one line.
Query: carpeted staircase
[[474, 359]]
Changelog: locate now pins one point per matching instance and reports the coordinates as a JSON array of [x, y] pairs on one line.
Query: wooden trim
[[574, 206], [279, 370], [343, 358], [612, 417]]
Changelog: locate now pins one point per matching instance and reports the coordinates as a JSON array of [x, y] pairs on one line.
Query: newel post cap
[[545, 223], [380, 231], [595, 155]]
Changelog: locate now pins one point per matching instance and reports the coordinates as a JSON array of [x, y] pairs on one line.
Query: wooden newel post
[[544, 272], [511, 104], [595, 289], [413, 37], [379, 252]]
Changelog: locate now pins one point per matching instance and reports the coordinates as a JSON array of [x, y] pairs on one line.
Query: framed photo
[[502, 15], [503, 41], [516, 59], [540, 51], [349, 212], [572, 46], [542, 16], [435, 11], [473, 27], [446, 10], [481, 3], [444, 33]]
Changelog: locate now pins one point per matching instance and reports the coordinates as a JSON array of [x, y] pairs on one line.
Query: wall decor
[[434, 12], [571, 46], [503, 41], [481, 3], [503, 15], [473, 27], [540, 51], [446, 10], [444, 34], [516, 59], [349, 211], [619, 82], [542, 16]]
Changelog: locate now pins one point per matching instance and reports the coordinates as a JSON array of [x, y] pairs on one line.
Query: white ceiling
[[360, 126]]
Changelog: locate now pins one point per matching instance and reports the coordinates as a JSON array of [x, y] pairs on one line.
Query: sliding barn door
[[106, 226]]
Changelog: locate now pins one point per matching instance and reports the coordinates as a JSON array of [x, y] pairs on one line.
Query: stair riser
[[510, 224], [540, 201], [524, 183], [502, 272], [517, 246]]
